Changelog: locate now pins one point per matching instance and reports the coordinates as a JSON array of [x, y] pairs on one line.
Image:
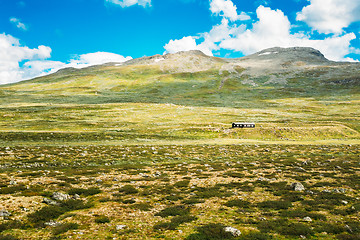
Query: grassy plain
[[152, 156]]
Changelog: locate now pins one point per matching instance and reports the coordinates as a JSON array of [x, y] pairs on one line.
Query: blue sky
[[42, 36]]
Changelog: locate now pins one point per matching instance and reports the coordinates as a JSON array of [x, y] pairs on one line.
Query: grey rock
[[60, 196], [307, 219], [262, 179], [4, 213], [76, 196], [12, 182], [120, 227], [52, 223], [297, 187], [50, 201], [300, 169], [235, 232]]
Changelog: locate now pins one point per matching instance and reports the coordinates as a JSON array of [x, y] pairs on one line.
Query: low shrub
[[64, 228], [210, 192], [142, 206], [182, 219], [212, 231], [174, 223], [271, 225], [345, 236], [174, 197], [12, 224], [128, 189], [296, 229], [256, 236], [297, 213], [182, 184], [102, 219], [192, 201], [174, 211], [8, 237], [128, 201], [12, 189], [75, 204], [275, 204], [329, 228], [234, 174], [45, 214], [50, 212]]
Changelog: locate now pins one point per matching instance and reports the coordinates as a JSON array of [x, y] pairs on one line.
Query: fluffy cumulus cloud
[[20, 62], [128, 3], [91, 59], [226, 8], [18, 23], [12, 53], [184, 44], [271, 28], [274, 29], [330, 16]]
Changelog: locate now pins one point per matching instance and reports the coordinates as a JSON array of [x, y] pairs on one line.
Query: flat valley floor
[[180, 191]]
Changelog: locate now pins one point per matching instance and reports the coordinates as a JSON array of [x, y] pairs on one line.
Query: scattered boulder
[[60, 196], [52, 223], [307, 219], [76, 196], [297, 187], [339, 190], [120, 227], [4, 213], [50, 201], [13, 182], [262, 179], [235, 232]]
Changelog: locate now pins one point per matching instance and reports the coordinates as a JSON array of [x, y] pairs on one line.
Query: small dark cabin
[[243, 125]]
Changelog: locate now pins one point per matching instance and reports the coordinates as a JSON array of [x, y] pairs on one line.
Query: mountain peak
[[190, 52], [305, 54]]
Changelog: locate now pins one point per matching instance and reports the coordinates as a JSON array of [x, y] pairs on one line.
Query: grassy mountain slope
[[293, 94]]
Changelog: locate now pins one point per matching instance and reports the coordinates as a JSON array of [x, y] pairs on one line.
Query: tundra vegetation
[[143, 151]]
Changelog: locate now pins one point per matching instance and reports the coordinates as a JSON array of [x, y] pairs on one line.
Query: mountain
[[189, 95], [193, 78]]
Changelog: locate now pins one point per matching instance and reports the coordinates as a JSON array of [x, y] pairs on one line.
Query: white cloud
[[227, 9], [128, 3], [91, 59], [184, 44], [18, 23], [11, 53], [273, 29], [37, 68], [35, 63], [330, 16]]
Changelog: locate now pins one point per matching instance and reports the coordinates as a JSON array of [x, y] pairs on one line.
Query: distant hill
[[193, 78], [292, 94]]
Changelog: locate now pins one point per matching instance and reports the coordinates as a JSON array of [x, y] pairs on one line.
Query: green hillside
[[188, 96]]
